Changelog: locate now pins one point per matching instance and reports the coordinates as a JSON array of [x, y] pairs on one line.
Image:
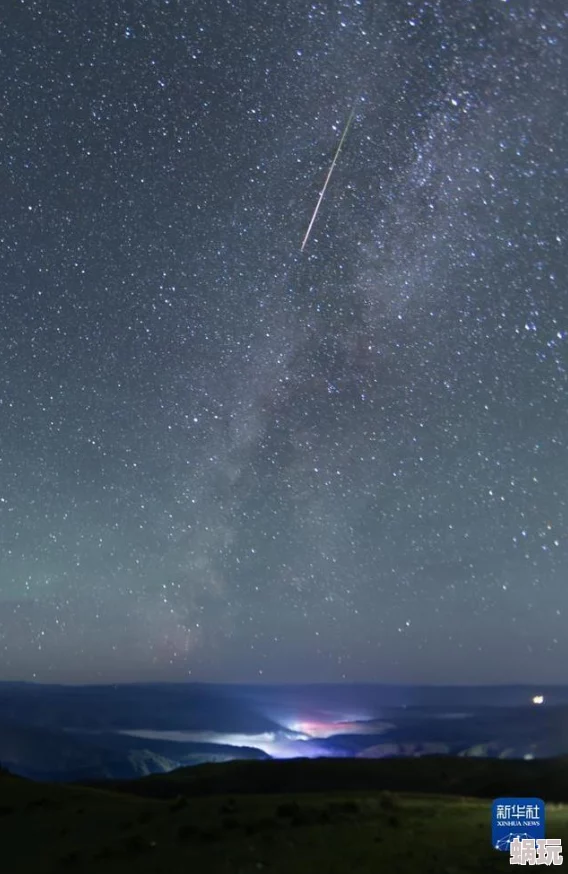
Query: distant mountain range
[[61, 733]]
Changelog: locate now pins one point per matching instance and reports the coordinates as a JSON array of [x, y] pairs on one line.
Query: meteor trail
[[328, 177]]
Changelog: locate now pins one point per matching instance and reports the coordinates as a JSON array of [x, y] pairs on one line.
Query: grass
[[58, 828]]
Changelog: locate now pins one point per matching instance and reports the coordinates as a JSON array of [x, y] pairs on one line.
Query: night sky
[[222, 459]]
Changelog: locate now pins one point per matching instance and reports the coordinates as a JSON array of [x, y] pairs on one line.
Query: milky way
[[222, 458]]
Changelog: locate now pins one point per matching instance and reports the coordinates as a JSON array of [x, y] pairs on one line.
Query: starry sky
[[223, 459]]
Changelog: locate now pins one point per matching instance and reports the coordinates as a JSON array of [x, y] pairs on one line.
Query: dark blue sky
[[226, 460]]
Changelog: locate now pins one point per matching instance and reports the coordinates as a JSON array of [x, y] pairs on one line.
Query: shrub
[[229, 807], [70, 859], [135, 844], [186, 832], [344, 807], [388, 801], [178, 803], [288, 809]]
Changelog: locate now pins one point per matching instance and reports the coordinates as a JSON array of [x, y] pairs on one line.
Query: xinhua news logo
[[542, 851], [518, 828], [512, 818]]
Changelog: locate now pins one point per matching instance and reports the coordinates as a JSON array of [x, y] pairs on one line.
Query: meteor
[[327, 178]]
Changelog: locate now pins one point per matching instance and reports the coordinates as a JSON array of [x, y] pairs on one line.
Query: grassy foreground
[[59, 828]]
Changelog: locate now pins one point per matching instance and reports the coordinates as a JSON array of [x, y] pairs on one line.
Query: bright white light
[[538, 699], [278, 745]]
